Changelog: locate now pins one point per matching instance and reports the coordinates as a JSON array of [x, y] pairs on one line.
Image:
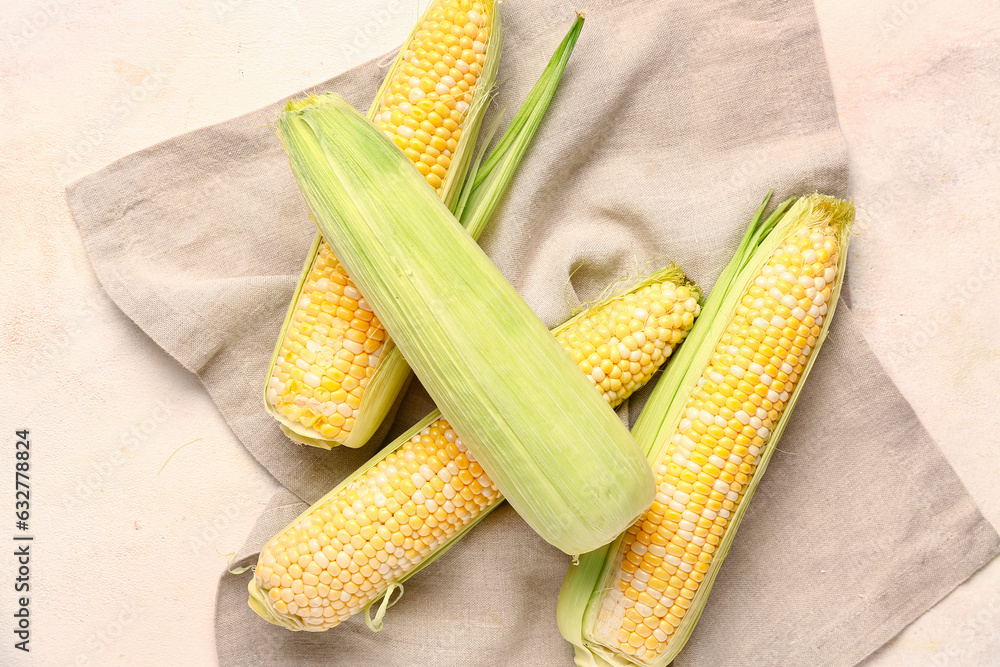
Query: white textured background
[[128, 545]]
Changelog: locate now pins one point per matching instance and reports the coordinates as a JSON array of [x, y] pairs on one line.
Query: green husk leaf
[[495, 175], [474, 209]]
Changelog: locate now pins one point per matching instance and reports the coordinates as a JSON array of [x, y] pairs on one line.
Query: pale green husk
[[586, 580], [551, 444]]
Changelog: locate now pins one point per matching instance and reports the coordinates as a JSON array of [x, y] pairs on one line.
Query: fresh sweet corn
[[406, 506], [619, 346], [427, 99], [331, 344], [346, 550], [508, 389], [709, 431], [381, 372]]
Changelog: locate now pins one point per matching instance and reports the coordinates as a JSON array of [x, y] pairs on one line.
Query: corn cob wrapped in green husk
[[334, 374], [506, 386], [709, 430], [412, 501]]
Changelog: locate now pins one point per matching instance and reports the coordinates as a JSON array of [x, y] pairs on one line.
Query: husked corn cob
[[743, 380], [413, 500], [332, 343], [423, 109], [329, 353], [712, 454], [621, 345], [345, 552]]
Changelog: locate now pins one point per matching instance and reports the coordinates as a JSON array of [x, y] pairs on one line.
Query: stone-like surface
[[128, 554], [915, 82]]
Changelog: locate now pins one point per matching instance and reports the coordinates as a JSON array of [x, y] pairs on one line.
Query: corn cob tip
[[258, 602], [627, 283], [313, 99], [620, 341], [297, 104]]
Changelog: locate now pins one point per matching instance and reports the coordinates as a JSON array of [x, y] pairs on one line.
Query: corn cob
[[709, 431], [406, 506], [484, 357], [333, 376]]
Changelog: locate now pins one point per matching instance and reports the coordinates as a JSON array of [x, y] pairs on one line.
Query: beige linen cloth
[[672, 121]]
